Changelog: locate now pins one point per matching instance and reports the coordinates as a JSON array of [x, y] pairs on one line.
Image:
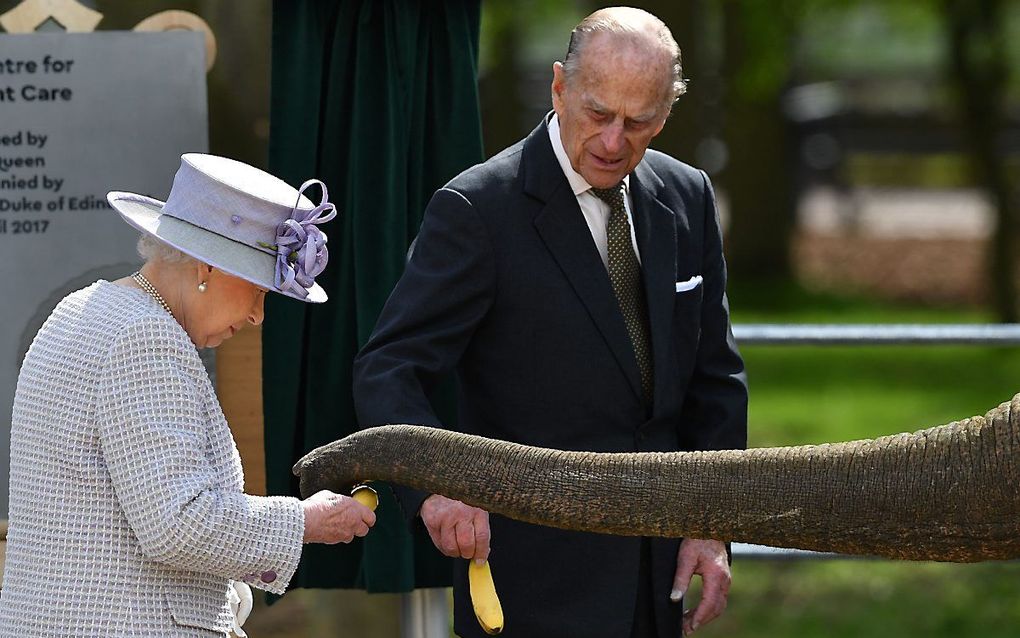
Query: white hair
[[152, 249], [627, 22]]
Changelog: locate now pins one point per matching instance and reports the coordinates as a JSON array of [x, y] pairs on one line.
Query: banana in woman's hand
[[366, 496]]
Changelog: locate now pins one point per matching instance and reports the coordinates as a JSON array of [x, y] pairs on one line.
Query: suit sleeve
[[716, 397], [427, 323], [153, 429]]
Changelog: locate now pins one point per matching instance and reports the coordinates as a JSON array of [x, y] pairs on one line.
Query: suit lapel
[[655, 227], [562, 227]]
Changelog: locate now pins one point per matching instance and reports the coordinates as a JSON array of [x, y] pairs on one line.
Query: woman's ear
[[203, 273]]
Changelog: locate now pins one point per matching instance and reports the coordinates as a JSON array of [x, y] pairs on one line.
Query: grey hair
[[631, 22], [152, 249]]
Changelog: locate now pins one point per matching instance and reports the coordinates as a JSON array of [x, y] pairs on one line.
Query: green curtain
[[379, 99]]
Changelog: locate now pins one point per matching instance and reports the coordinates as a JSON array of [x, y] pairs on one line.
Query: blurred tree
[[520, 41], [979, 71], [757, 60], [499, 86], [695, 115]]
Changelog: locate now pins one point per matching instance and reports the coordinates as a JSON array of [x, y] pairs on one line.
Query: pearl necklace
[[149, 288]]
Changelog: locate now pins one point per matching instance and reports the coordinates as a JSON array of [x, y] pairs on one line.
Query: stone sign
[[80, 115]]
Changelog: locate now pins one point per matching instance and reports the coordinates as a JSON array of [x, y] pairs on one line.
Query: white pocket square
[[690, 284]]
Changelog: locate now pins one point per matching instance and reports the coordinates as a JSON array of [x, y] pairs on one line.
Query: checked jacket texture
[[127, 515]]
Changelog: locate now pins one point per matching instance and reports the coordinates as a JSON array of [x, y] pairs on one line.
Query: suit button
[[268, 577]]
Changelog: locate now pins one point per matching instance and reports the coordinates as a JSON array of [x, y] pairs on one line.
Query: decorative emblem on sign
[[75, 17]]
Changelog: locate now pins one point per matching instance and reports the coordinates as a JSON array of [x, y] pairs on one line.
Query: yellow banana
[[488, 611], [366, 496]]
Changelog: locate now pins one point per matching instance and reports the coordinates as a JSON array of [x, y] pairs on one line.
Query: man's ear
[[558, 85]]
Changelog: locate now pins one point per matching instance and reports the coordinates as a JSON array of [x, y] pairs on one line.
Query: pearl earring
[[202, 287]]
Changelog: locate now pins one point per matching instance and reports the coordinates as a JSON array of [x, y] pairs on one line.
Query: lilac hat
[[241, 220]]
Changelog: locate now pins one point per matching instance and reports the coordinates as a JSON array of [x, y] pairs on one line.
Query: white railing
[[861, 335]]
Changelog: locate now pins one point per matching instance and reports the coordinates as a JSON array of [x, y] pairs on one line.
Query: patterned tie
[[625, 275]]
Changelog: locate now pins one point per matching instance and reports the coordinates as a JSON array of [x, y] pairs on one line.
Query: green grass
[[812, 395], [803, 394], [837, 599], [785, 302], [809, 395]]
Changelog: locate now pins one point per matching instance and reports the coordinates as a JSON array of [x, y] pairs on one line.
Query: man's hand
[[458, 530], [707, 558]]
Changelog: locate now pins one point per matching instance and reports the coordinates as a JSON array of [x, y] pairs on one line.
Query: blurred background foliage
[[800, 102], [866, 157]]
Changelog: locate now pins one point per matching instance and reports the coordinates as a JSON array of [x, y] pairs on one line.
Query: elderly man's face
[[611, 108]]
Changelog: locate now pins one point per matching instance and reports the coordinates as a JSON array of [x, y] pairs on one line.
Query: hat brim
[[234, 258]]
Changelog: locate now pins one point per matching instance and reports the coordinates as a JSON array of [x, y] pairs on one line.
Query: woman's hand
[[333, 518]]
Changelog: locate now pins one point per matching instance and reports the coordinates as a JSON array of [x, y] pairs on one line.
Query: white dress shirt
[[595, 211]]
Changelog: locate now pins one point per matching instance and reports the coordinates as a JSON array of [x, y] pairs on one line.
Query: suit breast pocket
[[687, 326]]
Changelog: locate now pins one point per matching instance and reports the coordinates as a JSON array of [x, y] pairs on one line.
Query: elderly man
[[576, 284]]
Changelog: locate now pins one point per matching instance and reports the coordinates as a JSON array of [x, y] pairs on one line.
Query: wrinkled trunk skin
[[948, 493]]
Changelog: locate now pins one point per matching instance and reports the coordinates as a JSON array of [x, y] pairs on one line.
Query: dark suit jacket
[[507, 288]]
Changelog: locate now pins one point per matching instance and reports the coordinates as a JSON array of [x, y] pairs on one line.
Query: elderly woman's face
[[227, 304]]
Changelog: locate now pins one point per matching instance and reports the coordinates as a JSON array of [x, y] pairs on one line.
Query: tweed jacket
[[127, 513]]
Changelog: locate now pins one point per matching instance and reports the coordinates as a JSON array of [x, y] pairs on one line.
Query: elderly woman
[[127, 514]]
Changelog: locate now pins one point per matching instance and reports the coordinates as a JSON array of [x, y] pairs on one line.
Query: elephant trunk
[[948, 493]]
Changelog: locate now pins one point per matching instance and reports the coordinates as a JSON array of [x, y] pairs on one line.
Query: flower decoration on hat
[[301, 252]]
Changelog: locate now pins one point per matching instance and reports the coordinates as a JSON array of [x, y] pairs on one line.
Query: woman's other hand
[[333, 518]]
